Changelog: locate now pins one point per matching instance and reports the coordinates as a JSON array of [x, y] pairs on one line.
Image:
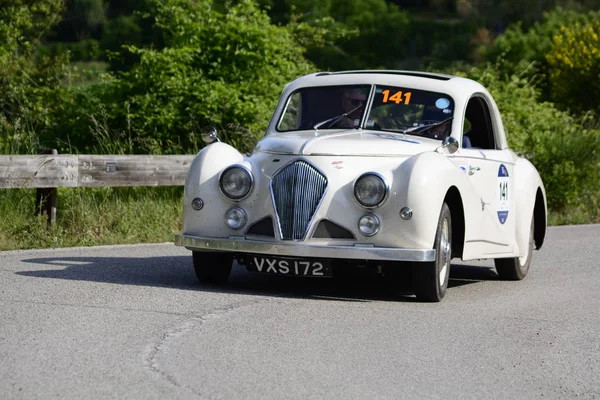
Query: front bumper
[[295, 249]]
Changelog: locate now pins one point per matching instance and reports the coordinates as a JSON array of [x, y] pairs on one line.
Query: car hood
[[346, 142]]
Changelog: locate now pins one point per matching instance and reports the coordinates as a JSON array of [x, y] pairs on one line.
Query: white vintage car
[[373, 168]]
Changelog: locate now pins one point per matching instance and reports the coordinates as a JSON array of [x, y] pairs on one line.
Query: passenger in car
[[466, 142]]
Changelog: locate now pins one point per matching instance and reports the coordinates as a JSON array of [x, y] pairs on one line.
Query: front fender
[[202, 182], [424, 182]]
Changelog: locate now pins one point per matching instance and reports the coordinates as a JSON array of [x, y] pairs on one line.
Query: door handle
[[473, 169]]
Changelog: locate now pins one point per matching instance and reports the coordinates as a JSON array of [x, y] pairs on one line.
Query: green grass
[[575, 216], [101, 216], [89, 217]]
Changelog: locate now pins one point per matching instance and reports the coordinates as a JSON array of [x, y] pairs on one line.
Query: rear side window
[[477, 126]]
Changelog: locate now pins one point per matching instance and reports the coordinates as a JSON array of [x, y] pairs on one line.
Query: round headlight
[[235, 182], [370, 190], [368, 225], [236, 218]]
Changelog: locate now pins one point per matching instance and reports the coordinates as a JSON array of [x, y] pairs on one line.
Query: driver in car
[[353, 104]]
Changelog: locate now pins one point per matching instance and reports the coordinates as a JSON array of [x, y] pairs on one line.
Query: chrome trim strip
[[470, 157], [277, 153], [380, 155], [287, 104], [487, 241], [240, 245], [368, 105], [300, 154]]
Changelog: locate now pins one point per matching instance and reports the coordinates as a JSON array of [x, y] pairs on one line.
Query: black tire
[[212, 268], [430, 280], [515, 269]]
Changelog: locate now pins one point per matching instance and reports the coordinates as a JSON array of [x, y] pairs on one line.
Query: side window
[[477, 127]]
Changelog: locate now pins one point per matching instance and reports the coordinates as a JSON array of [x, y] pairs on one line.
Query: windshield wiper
[[336, 119], [422, 128]]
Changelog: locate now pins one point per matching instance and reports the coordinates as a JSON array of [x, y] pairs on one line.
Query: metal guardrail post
[[46, 198]]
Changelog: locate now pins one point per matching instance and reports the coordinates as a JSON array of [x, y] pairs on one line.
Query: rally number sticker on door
[[503, 193]]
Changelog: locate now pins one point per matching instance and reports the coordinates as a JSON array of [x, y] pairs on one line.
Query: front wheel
[[515, 269], [212, 268], [430, 280]]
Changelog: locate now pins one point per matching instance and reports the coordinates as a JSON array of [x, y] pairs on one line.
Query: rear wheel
[[515, 269], [430, 280], [212, 268]]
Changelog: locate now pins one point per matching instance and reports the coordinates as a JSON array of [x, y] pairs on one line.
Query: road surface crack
[[151, 360]]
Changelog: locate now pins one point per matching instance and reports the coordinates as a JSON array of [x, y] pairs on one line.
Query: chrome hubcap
[[446, 250]]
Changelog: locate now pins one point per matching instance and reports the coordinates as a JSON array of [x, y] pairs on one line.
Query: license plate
[[290, 266]]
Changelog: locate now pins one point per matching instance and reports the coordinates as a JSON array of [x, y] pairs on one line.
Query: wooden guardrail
[[46, 172]]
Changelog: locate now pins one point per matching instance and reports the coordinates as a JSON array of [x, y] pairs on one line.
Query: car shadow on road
[[176, 272]]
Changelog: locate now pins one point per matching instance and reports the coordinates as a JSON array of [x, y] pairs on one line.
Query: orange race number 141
[[396, 97]]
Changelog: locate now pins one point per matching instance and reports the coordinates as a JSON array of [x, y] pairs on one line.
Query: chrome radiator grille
[[297, 191]]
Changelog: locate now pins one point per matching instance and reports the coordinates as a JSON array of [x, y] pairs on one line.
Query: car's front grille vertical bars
[[297, 191]]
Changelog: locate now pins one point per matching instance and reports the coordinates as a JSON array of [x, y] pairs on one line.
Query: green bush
[[382, 30], [523, 51], [225, 70], [359, 33], [30, 83], [85, 50], [574, 67], [517, 47], [122, 30]]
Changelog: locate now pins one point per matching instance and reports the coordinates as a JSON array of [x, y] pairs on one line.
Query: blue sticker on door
[[503, 193]]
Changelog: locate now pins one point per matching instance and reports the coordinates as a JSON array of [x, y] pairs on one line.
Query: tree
[[362, 33], [574, 67], [25, 21], [523, 51], [81, 20]]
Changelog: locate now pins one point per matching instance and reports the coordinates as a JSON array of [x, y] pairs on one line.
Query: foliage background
[[146, 76]]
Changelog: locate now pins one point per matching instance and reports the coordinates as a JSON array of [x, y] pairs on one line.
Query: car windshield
[[326, 107], [393, 109], [411, 111]]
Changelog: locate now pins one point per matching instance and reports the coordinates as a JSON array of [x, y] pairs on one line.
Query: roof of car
[[442, 77], [457, 87]]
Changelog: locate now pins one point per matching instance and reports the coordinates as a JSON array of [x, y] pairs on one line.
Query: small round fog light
[[368, 225], [236, 218], [197, 204], [406, 213]]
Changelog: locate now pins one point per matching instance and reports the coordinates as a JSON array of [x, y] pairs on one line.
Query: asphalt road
[[132, 322]]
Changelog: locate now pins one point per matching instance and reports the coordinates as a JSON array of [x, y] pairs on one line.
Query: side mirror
[[210, 137], [450, 144]]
